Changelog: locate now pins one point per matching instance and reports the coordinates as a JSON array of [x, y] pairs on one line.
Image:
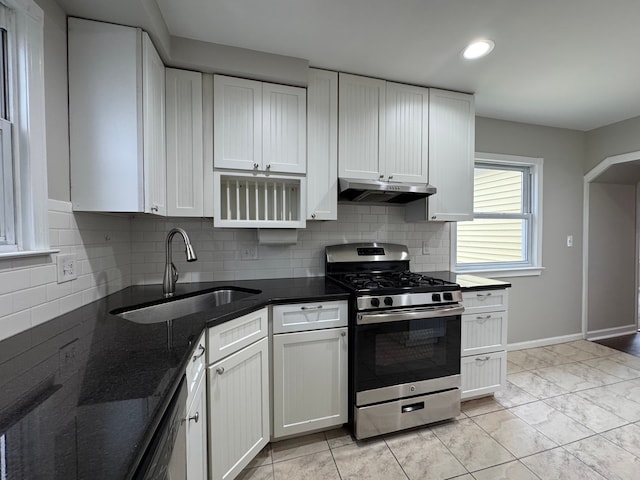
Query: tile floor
[[570, 411]]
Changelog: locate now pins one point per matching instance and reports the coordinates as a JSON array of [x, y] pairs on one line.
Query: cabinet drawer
[[309, 316], [484, 301], [483, 333], [195, 367], [483, 374], [235, 334]]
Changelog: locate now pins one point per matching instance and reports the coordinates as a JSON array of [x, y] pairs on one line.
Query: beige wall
[[614, 139], [612, 267], [549, 305]]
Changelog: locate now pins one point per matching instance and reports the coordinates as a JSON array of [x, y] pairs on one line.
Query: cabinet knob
[[154, 208], [201, 351], [269, 167], [195, 418], [313, 215], [343, 334], [390, 177], [255, 166], [220, 370], [381, 177]]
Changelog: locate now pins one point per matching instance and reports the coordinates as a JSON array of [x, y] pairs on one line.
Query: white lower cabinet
[[484, 341], [197, 433], [310, 345], [238, 393], [309, 381]]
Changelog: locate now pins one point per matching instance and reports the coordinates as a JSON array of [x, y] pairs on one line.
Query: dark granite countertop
[[82, 394]]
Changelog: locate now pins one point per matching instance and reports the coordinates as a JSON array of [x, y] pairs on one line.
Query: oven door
[[407, 352]]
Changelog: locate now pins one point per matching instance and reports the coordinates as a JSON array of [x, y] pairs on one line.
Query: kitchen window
[[23, 172], [504, 237]]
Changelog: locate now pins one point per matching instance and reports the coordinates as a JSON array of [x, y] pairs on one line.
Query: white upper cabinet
[[451, 157], [322, 145], [116, 119], [259, 126], [451, 150], [384, 129], [184, 143], [407, 133], [361, 137]]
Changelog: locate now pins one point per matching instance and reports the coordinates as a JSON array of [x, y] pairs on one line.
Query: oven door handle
[[412, 314]]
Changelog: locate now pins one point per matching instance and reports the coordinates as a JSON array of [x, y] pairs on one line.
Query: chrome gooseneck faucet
[[170, 272]]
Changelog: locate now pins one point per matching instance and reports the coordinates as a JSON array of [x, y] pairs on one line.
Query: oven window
[[404, 352]]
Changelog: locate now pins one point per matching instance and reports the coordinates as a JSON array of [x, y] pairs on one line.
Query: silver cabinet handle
[[381, 176], [220, 370], [255, 166], [483, 319], [154, 208], [195, 418], [201, 351], [390, 177], [313, 215], [483, 295], [483, 359], [317, 307]]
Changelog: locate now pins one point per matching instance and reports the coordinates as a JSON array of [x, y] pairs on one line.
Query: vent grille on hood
[[374, 191]]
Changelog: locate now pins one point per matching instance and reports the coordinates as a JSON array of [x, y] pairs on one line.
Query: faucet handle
[[174, 273]]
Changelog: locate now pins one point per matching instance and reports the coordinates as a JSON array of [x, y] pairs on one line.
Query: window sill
[[30, 253], [503, 272]]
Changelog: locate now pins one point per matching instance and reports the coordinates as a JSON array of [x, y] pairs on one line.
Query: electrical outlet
[[569, 240], [67, 267], [425, 248], [248, 251]]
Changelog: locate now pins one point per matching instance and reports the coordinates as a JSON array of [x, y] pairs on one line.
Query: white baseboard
[[543, 342], [612, 332]]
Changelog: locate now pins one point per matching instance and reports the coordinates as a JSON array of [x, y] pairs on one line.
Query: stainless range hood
[[375, 191]]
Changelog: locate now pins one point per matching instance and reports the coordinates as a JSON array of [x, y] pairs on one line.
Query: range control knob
[[448, 296], [435, 297], [375, 302], [388, 301]]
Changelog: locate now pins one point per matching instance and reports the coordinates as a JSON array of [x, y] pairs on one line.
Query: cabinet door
[[184, 143], [451, 155], [322, 145], [309, 381], [153, 120], [484, 333], [105, 148], [237, 123], [238, 409], [406, 133], [483, 374], [197, 433], [284, 128], [309, 316], [361, 126]]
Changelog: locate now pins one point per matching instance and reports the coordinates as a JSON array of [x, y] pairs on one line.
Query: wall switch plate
[[248, 251], [425, 248], [67, 267]]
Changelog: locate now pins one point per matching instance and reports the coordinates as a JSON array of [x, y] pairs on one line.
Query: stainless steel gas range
[[404, 354]]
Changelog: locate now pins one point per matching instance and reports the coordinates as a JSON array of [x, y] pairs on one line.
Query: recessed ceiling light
[[478, 49]]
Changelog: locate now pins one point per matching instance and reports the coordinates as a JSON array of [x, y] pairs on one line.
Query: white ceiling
[[561, 63]]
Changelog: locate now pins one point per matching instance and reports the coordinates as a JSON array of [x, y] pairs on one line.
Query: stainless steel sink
[[181, 306]]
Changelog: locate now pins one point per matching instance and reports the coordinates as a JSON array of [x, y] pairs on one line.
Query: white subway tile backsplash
[[114, 251]]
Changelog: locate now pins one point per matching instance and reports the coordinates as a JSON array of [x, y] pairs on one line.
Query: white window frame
[[533, 266], [27, 113]]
